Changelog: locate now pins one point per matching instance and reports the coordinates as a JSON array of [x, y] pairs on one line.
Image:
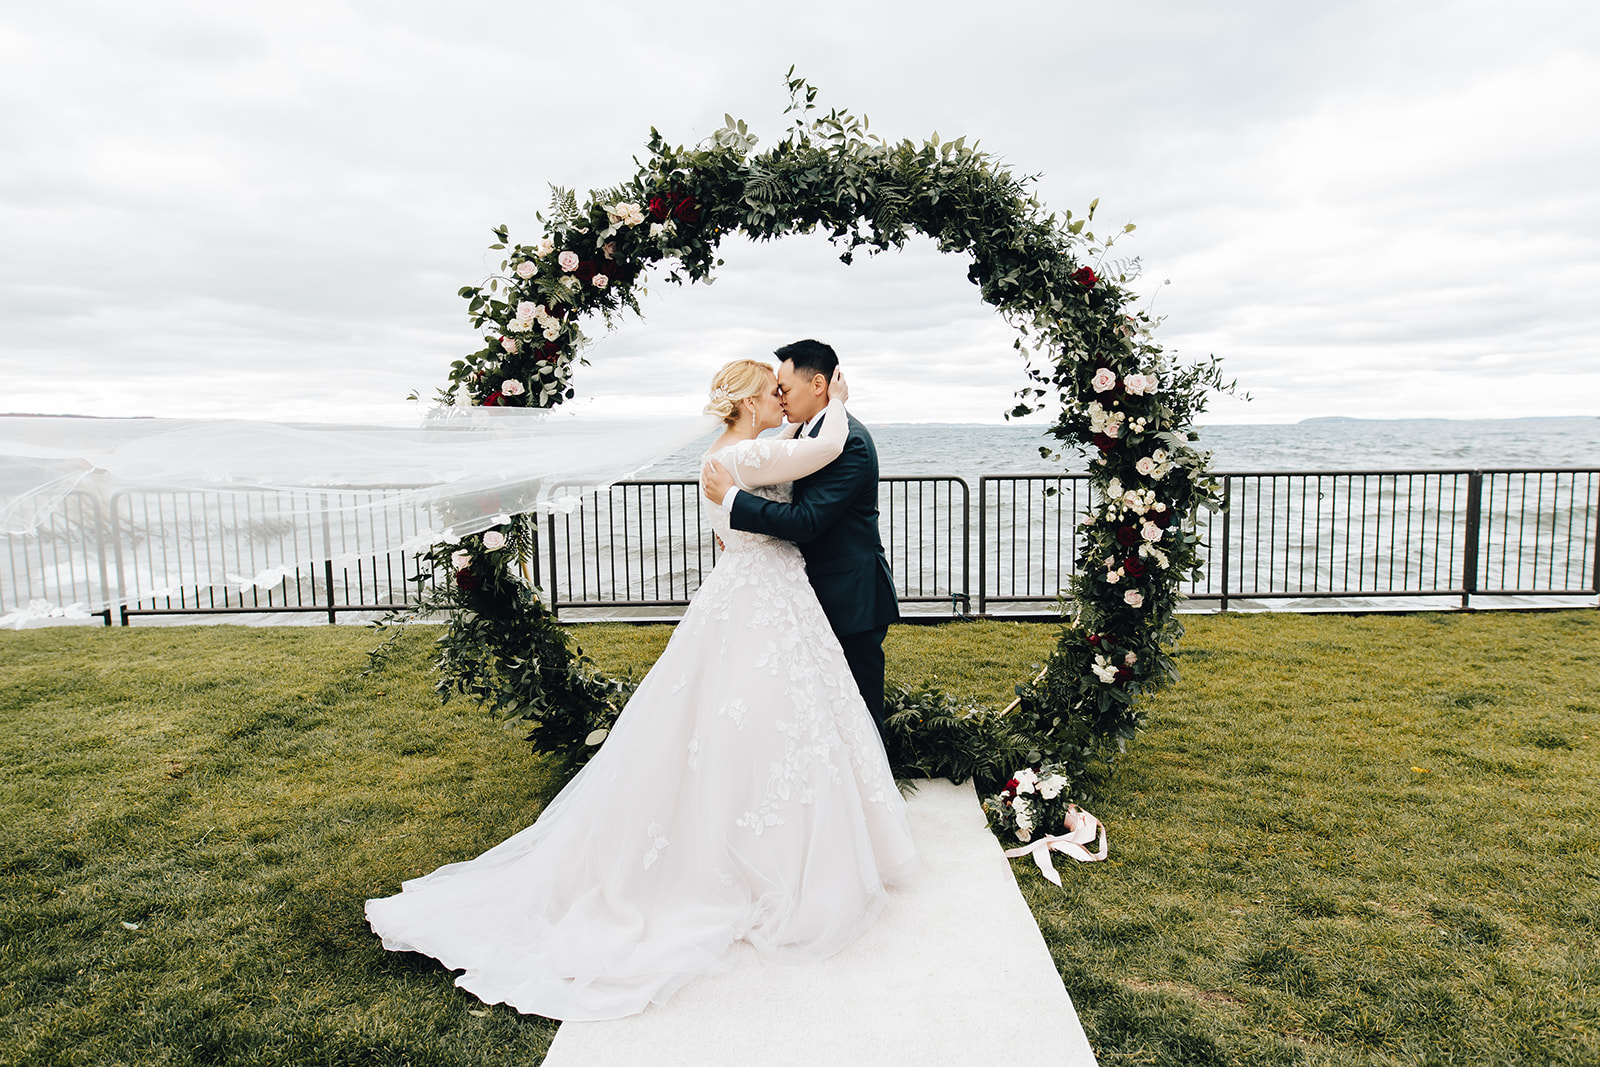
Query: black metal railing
[[1325, 535], [648, 544]]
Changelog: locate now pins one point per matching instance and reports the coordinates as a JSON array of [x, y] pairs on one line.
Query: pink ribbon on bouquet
[[1081, 829]]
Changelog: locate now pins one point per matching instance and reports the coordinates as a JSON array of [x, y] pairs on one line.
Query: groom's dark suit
[[834, 519]]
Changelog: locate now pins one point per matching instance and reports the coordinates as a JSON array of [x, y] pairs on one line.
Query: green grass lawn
[[1343, 841]]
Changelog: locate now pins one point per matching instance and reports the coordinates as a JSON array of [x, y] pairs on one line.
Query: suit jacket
[[834, 519]]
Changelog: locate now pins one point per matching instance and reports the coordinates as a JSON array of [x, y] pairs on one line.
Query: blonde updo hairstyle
[[733, 383]]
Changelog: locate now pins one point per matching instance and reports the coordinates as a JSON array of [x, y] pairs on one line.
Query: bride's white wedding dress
[[743, 794]]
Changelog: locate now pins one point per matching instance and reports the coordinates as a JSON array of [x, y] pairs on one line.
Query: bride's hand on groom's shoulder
[[837, 389]]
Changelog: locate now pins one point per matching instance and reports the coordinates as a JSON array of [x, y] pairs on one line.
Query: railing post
[[1227, 528], [983, 545], [1594, 584], [327, 562], [966, 547], [1469, 552], [555, 612], [116, 548]]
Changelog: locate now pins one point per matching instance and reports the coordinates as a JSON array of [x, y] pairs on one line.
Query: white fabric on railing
[[97, 511]]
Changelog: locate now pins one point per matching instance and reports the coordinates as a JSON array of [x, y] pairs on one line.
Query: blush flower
[[601, 281], [1151, 532], [511, 345], [511, 387], [526, 269], [1145, 466], [1133, 598], [546, 246], [568, 260], [494, 540], [460, 559], [1104, 379]]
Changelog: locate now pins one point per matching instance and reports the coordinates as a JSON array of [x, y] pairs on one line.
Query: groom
[[833, 518]]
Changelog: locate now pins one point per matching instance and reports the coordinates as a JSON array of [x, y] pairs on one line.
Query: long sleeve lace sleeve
[[770, 460]]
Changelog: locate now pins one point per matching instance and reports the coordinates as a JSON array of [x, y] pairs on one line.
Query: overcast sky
[[1367, 209]]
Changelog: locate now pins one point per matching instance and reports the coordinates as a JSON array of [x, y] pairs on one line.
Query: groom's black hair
[[810, 357]]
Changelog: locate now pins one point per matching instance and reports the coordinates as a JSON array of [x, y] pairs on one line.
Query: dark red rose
[[1122, 675], [1011, 786], [550, 350], [555, 311], [1162, 519], [1094, 640], [493, 399], [687, 211], [587, 269], [1084, 277], [659, 207], [467, 580], [1133, 567], [1104, 444], [1127, 536]]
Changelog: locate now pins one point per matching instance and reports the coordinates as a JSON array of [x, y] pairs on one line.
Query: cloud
[[267, 209]]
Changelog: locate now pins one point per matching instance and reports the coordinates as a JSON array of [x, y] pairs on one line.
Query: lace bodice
[[768, 467]]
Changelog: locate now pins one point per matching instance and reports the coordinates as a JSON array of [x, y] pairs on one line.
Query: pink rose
[[1104, 379], [494, 540], [511, 345], [1151, 532], [511, 387], [568, 260], [1130, 659], [526, 269], [601, 281], [1140, 384], [1133, 598]]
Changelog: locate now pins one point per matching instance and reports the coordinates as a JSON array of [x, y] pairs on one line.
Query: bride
[[743, 793]]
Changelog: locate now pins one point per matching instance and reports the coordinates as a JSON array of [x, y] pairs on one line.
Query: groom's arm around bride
[[833, 517]]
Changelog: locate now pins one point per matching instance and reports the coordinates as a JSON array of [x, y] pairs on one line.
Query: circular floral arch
[[1088, 353]]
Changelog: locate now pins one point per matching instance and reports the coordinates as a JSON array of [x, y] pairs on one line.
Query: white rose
[[526, 269], [546, 246], [1114, 489], [1159, 455], [551, 333], [527, 311], [657, 229], [1103, 670], [1151, 532], [1145, 466], [494, 540], [1113, 577], [568, 260], [1051, 785], [1103, 379], [1114, 425], [601, 281], [512, 387], [1133, 598], [1026, 780], [461, 559]]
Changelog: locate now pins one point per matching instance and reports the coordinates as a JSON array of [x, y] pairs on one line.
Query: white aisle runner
[[955, 964]]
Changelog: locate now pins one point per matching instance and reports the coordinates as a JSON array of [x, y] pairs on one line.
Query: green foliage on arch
[[1090, 356]]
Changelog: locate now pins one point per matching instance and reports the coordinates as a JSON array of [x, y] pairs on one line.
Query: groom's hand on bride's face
[[715, 482]]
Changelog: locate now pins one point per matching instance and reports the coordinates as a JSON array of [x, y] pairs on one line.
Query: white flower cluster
[[657, 229], [1104, 669], [625, 214], [528, 314], [1155, 465], [1106, 422]]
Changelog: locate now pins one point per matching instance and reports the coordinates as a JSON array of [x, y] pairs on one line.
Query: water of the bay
[[971, 450]]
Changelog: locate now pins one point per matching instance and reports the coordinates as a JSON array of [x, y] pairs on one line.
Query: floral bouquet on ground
[[1034, 800], [1034, 808]]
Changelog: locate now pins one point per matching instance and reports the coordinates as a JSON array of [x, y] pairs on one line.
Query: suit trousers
[[864, 653]]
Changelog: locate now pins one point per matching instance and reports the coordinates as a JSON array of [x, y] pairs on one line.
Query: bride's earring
[[752, 418]]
